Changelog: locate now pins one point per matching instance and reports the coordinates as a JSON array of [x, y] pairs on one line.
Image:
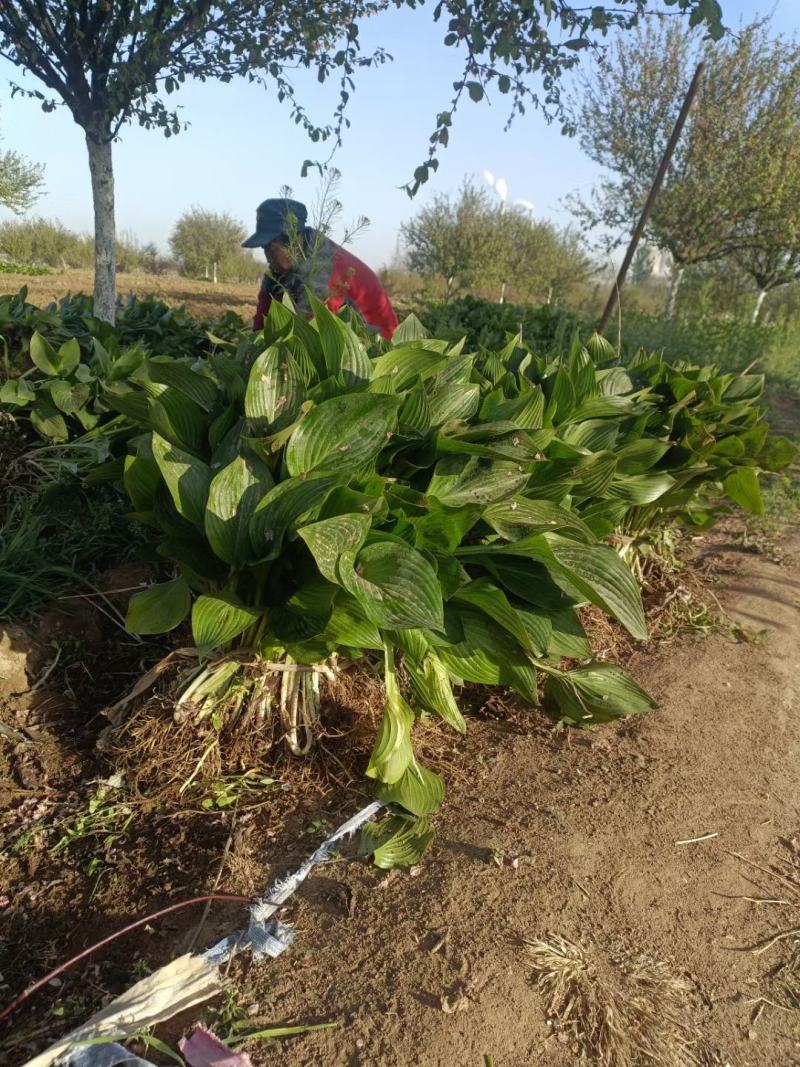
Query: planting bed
[[306, 543]]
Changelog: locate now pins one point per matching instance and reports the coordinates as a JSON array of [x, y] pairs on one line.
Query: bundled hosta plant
[[320, 505]]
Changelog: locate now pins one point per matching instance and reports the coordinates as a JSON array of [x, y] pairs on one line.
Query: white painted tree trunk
[[757, 309], [674, 287], [105, 249]]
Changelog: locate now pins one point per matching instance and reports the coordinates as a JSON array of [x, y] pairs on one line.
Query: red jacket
[[337, 277]]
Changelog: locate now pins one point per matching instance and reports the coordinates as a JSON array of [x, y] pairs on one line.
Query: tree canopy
[[733, 186], [20, 182], [474, 245], [114, 61]]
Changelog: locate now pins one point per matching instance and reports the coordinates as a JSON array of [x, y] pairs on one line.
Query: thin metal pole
[[680, 122]]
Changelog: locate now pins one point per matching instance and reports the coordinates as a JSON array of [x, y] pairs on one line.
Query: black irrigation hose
[[12, 1007]]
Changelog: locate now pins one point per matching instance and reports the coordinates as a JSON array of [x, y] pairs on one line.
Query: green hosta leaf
[[776, 454], [489, 598], [404, 365], [286, 507], [343, 433], [521, 517], [596, 435], [595, 572], [419, 791], [415, 413], [69, 356], [410, 329], [159, 608], [179, 420], [603, 517], [331, 538], [640, 456], [458, 480], [433, 690], [595, 694], [218, 619], [742, 486], [187, 479], [275, 391], [141, 476], [396, 586], [526, 411], [640, 488], [131, 403], [568, 638], [43, 355], [69, 398], [594, 474], [397, 841], [17, 391], [458, 400], [602, 577], [538, 626], [745, 387], [233, 496], [442, 529], [179, 376], [349, 625], [47, 420], [305, 614], [392, 753], [485, 655]]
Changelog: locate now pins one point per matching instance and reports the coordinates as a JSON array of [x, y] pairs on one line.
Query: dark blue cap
[[276, 218]]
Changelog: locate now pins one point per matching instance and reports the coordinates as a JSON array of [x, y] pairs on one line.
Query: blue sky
[[241, 146]]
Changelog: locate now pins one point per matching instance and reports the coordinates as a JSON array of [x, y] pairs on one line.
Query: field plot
[[202, 298]]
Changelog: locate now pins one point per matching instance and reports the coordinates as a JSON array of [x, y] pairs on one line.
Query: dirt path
[[593, 822]]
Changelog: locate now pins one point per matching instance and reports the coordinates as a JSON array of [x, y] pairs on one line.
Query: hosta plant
[[60, 390], [695, 442], [319, 506]]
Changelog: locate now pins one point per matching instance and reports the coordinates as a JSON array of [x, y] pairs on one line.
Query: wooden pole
[[658, 181]]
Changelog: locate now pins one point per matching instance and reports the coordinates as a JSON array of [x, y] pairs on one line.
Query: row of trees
[[114, 63], [202, 244], [469, 243], [732, 193]]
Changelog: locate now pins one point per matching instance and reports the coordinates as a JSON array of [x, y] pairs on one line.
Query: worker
[[300, 257]]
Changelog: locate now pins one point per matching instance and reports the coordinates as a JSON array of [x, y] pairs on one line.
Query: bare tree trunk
[[759, 301], [105, 249], [674, 286]]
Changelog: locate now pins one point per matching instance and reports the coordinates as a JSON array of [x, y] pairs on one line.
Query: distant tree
[[110, 61], [539, 261], [20, 182], [458, 240], [727, 168], [201, 238]]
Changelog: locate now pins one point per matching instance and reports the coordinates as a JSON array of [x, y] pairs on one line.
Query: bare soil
[[543, 833]]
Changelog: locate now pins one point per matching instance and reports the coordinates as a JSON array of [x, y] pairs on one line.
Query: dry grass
[[622, 1010], [159, 752], [202, 298], [778, 886]]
